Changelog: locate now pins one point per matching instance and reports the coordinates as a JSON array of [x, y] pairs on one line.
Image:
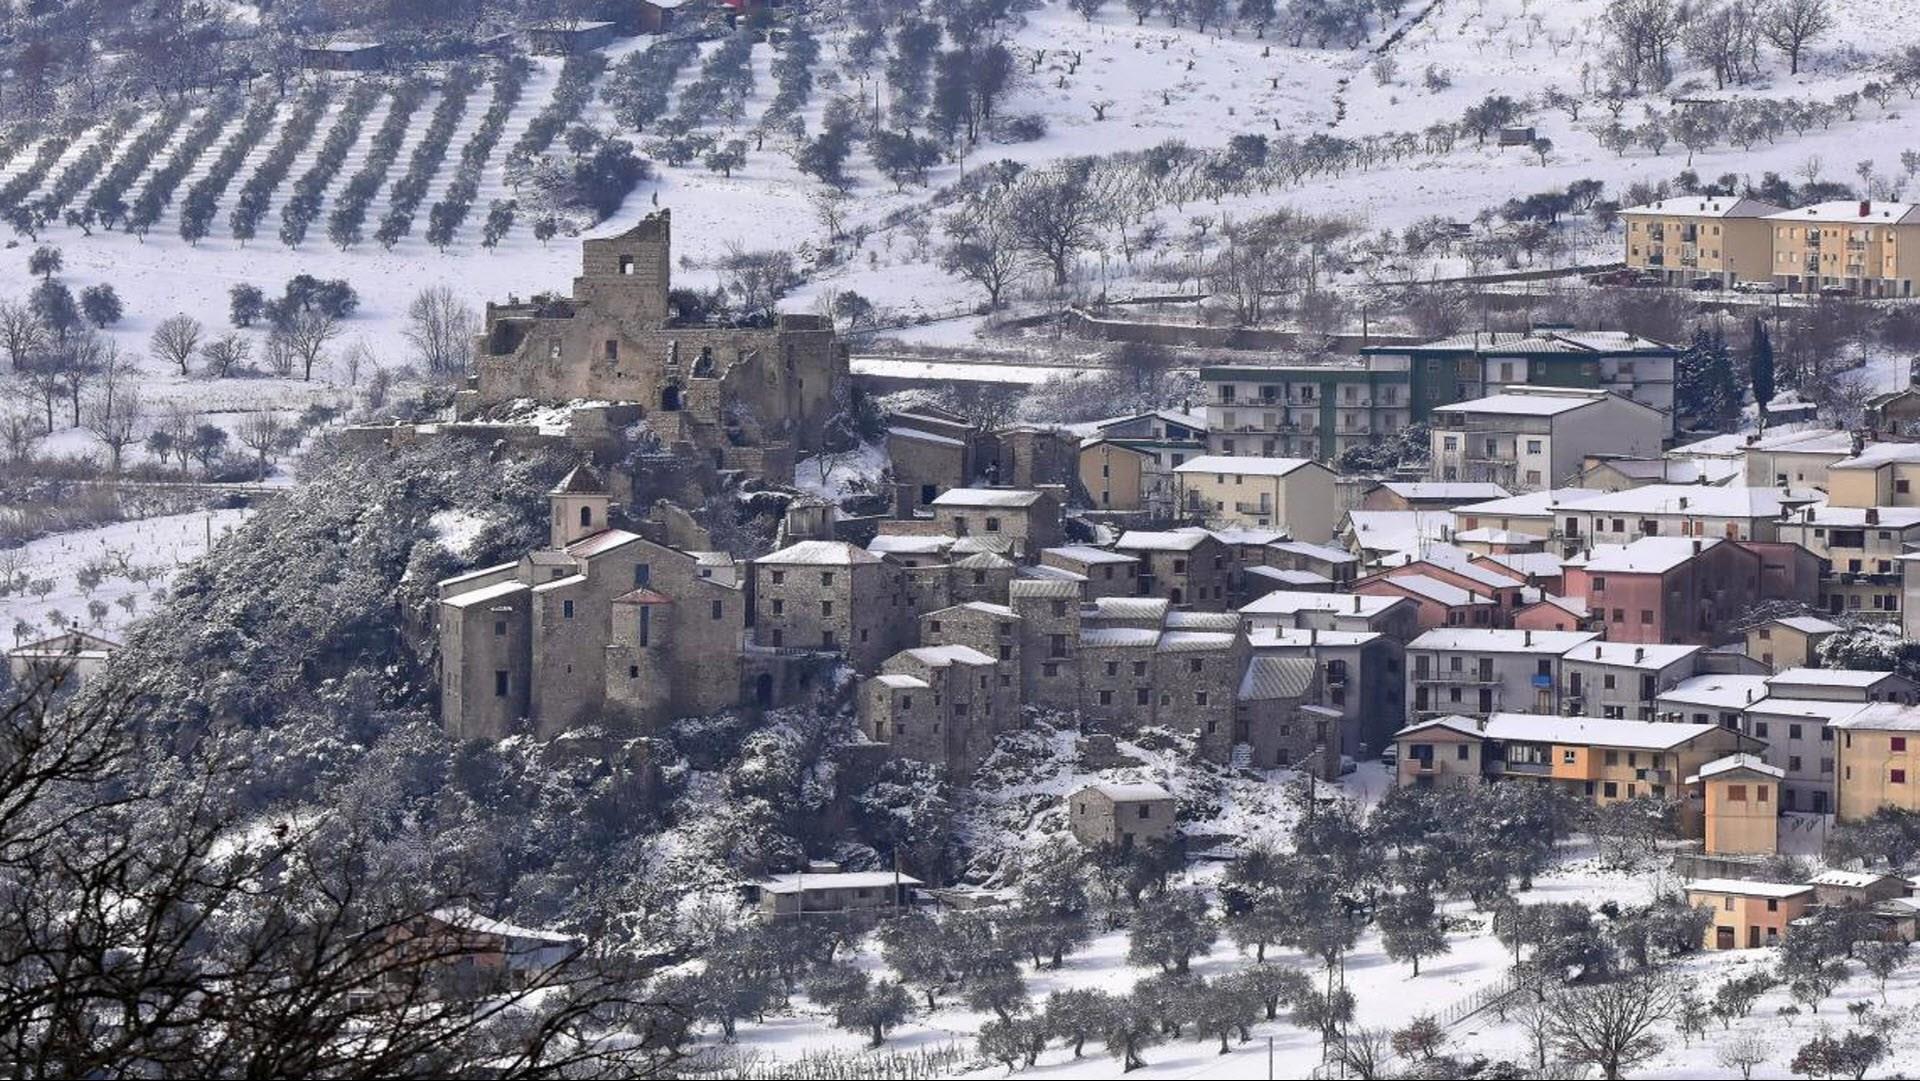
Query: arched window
[[586, 515]]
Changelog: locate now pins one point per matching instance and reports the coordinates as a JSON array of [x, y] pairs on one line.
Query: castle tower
[[579, 503], [627, 276]]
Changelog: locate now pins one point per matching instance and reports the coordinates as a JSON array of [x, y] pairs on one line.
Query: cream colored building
[[1748, 914], [1867, 248], [1879, 749], [1294, 494], [1741, 793], [1881, 475], [1531, 438], [1711, 236]]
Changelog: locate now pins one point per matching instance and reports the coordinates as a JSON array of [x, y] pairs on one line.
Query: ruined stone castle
[[744, 397]]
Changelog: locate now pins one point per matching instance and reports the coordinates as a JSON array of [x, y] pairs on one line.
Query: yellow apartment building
[[1710, 236], [1879, 760], [1865, 247]]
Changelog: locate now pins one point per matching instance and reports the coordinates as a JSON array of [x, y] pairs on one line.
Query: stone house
[[743, 397], [831, 596], [1125, 816], [1187, 569], [1105, 573], [929, 454], [1028, 519], [1278, 718], [1335, 564], [601, 625]]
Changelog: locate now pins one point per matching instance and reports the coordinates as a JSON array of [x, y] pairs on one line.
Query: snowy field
[[133, 561]]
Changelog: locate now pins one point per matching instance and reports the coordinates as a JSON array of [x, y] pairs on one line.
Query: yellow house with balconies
[[1865, 247], [1701, 236]]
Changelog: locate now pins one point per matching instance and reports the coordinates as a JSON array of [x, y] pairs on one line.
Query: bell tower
[[579, 505]]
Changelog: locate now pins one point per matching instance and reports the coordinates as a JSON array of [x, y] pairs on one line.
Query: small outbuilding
[[1123, 815]]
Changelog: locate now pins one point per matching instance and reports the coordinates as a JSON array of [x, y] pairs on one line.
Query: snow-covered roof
[[1883, 716], [1397, 530], [986, 497], [1648, 555], [1855, 880], [1086, 553], [902, 681], [1848, 212], [1531, 404], [987, 608], [1652, 656], [1301, 637], [1435, 590], [1700, 500], [1706, 206], [909, 544], [942, 656], [1489, 535], [835, 880], [819, 553], [1326, 553], [1287, 602], [1860, 517], [1807, 624], [1529, 504], [1717, 691], [1238, 534], [1288, 577], [1593, 731], [1747, 887], [1418, 491], [1496, 640], [486, 594], [1531, 564], [1129, 793], [601, 543], [1148, 541], [919, 436], [1828, 677], [1048, 572], [1252, 467], [467, 919], [1752, 763], [984, 561], [1875, 455]]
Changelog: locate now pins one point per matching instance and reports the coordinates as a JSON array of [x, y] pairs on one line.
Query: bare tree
[[1644, 33], [220, 356], [982, 247], [265, 434], [20, 429], [1743, 1051], [440, 327], [118, 419], [176, 340], [1611, 1026], [20, 331], [1052, 214], [307, 334], [1790, 25]]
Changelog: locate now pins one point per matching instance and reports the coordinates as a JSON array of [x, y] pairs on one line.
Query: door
[[1723, 938], [1753, 938]]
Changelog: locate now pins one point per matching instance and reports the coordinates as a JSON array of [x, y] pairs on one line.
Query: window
[[718, 610], [1140, 696], [499, 683], [778, 576], [826, 608], [1896, 776], [1897, 743], [499, 628], [646, 624], [826, 578], [1106, 698], [613, 349], [1199, 698], [779, 607], [566, 609], [1194, 664], [993, 525], [1533, 446], [1737, 793]]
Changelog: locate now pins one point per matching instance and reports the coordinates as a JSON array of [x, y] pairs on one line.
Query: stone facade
[[1123, 815], [743, 397], [602, 625]]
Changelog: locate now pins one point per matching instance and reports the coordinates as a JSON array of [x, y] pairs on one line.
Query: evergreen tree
[[1705, 385], [1760, 365]]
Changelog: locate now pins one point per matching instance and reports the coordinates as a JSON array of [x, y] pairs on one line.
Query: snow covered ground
[[134, 559]]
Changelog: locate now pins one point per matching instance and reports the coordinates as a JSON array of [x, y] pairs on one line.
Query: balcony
[[1253, 508], [1477, 679], [1528, 769]]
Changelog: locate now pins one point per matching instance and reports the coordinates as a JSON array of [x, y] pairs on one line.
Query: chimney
[[1356, 602], [1683, 502], [1639, 654], [1866, 207], [1873, 515], [1528, 639], [1696, 546]]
